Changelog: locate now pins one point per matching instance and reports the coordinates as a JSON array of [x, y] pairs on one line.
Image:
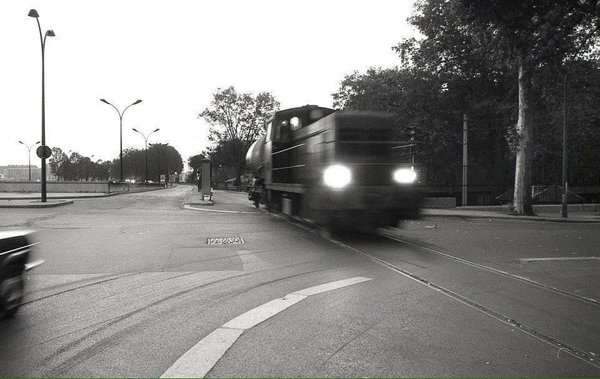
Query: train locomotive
[[332, 168]]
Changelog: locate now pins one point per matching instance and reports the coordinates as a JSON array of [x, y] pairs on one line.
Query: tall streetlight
[[146, 141], [29, 154], [565, 185], [121, 129], [49, 33]]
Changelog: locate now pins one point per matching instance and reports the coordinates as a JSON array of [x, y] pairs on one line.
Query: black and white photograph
[[299, 189]]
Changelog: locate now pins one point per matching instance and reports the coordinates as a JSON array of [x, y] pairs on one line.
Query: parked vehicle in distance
[[15, 251]]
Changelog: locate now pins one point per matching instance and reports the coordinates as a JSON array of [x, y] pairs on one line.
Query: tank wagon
[[334, 168]]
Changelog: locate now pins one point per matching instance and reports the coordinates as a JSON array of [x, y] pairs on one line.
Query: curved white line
[[202, 357], [217, 210]]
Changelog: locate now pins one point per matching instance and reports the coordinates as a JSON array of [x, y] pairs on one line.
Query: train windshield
[[369, 137]]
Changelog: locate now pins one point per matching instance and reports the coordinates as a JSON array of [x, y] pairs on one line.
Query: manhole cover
[[225, 240]]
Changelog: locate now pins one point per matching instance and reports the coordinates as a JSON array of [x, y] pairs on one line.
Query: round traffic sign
[[43, 151]]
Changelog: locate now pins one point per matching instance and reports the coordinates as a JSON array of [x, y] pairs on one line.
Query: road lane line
[[202, 357], [217, 210], [264, 312], [330, 286], [559, 259]]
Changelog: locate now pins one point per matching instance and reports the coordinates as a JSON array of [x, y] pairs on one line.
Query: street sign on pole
[[43, 152]]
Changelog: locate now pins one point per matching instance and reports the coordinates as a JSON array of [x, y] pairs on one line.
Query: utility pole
[[565, 185], [465, 162]]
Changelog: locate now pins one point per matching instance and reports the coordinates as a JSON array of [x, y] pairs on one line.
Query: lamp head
[[21, 142], [135, 130], [50, 33], [33, 13], [37, 142], [104, 101], [155, 130], [137, 101]]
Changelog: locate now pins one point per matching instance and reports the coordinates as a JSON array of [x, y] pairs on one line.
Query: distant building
[[20, 173]]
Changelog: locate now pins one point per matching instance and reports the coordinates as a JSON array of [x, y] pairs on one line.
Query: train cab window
[[296, 123], [282, 131]]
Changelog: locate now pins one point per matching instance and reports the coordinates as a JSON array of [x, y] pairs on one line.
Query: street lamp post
[[29, 154], [565, 185], [49, 33], [146, 141], [121, 129]]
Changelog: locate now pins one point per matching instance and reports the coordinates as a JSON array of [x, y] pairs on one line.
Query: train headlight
[[405, 175], [337, 176]]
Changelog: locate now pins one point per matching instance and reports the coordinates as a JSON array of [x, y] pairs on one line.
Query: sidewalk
[[33, 200], [590, 213], [577, 213], [223, 200], [55, 199]]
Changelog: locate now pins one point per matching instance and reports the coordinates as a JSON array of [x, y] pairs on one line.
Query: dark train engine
[[334, 168]]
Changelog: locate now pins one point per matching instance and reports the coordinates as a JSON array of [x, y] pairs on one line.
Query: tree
[[195, 162], [429, 107], [77, 167], [163, 159], [475, 38], [236, 120], [134, 163], [57, 161]]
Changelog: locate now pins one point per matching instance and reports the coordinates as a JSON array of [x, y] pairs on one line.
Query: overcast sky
[[173, 55]]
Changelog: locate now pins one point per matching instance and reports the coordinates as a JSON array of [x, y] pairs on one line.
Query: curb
[[210, 202], [513, 217], [61, 197], [37, 205], [84, 197]]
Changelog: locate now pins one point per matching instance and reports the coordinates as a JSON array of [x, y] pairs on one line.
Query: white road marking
[[202, 357], [216, 210], [330, 286], [560, 259], [264, 312]]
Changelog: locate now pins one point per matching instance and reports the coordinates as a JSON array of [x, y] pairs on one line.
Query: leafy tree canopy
[[236, 120]]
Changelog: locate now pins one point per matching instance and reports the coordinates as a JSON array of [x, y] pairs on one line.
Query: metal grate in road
[[225, 241]]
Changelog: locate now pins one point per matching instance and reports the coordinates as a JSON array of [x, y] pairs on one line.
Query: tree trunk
[[238, 176], [522, 196]]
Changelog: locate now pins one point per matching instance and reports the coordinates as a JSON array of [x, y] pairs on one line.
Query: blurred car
[[15, 251]]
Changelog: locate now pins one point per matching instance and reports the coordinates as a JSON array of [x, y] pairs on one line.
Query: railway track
[[578, 345]]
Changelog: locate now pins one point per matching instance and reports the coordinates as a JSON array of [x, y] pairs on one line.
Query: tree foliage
[[470, 39], [77, 167], [163, 159], [195, 162], [236, 120], [503, 63]]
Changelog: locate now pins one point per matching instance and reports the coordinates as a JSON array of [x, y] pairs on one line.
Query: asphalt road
[[138, 285]]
